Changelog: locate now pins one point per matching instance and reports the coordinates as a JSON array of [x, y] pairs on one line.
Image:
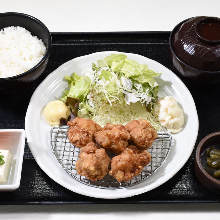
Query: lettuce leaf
[[125, 68], [115, 59], [131, 69], [78, 87], [84, 110], [105, 75], [146, 76], [120, 64]]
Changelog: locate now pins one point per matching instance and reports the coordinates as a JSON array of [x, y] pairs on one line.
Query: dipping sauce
[[210, 160], [209, 30]]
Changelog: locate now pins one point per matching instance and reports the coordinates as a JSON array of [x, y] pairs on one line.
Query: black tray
[[37, 188]]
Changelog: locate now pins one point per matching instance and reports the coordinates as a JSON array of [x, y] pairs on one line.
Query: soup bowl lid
[[196, 41]]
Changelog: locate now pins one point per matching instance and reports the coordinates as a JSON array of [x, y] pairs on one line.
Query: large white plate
[[38, 132]]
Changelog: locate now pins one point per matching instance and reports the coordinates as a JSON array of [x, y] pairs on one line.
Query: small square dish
[[12, 142]]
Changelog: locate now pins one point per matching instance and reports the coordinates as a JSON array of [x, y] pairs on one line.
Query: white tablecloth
[[112, 15]]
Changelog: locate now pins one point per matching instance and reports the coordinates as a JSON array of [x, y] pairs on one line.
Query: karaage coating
[[142, 133], [129, 163], [81, 131], [113, 137], [93, 162]]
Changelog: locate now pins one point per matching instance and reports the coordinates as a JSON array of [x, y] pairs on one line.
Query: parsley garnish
[[2, 159]]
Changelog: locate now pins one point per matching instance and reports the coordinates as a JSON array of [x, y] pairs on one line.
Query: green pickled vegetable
[[217, 174], [209, 161], [214, 153], [214, 156], [214, 163], [208, 150]]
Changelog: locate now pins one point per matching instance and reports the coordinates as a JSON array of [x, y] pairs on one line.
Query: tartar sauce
[[171, 114]]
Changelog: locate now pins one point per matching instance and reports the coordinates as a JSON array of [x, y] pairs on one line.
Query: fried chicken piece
[[142, 133], [81, 131], [113, 137], [93, 162], [129, 163]]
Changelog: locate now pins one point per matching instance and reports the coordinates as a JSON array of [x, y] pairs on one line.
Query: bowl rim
[[47, 48], [205, 20], [198, 158], [178, 58]]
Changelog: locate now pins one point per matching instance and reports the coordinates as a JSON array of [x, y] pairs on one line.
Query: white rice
[[19, 51]]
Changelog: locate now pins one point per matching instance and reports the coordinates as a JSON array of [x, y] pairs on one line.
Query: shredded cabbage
[[119, 112]]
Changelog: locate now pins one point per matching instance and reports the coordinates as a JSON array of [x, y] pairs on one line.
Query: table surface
[[101, 16]]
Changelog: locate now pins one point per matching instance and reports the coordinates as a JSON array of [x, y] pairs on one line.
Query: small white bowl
[[14, 141]]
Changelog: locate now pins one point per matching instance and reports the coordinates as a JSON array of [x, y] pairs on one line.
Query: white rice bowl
[[19, 51]]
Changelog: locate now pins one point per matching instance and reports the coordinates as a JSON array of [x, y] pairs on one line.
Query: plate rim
[[128, 194]]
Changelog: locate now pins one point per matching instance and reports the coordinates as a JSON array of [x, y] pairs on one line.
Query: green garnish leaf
[[106, 75], [84, 110], [114, 59], [73, 104], [78, 88], [2, 160]]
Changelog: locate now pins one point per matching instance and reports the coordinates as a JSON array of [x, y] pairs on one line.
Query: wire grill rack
[[67, 155]]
